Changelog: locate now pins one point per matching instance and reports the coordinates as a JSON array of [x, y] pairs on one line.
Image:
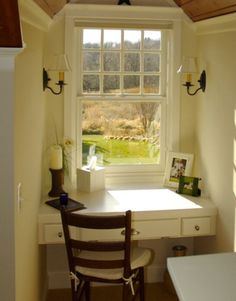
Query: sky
[[114, 35]]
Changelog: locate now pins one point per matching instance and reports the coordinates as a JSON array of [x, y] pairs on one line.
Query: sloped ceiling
[[10, 33], [198, 10], [195, 9]]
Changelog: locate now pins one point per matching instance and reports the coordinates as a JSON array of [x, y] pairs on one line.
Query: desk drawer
[[140, 230], [53, 233], [196, 226], [156, 228], [85, 234]]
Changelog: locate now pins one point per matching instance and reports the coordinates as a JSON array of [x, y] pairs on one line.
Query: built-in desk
[[156, 213]]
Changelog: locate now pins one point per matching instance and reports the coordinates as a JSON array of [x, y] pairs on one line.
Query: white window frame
[[153, 18]]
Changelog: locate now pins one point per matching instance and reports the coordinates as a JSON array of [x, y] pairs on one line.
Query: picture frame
[[177, 164], [189, 185]]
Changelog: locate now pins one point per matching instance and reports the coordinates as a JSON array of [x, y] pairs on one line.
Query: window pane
[[90, 83], [132, 39], [132, 62], [133, 54], [152, 39], [122, 133], [151, 62], [132, 84], [91, 61], [111, 84], [112, 39], [91, 38], [111, 61], [151, 84]]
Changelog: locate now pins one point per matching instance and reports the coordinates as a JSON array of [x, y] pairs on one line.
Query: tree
[[147, 113]]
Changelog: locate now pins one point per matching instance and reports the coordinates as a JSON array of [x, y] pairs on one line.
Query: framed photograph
[[177, 165], [189, 185]]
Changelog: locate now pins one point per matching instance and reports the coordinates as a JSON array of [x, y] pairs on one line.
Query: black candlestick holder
[[57, 182]]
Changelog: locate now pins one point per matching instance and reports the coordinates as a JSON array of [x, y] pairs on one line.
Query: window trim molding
[[142, 15]]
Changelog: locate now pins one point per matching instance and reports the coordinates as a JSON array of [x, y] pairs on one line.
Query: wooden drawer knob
[[197, 228]]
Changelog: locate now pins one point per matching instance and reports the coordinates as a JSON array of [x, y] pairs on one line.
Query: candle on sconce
[[56, 157], [188, 77]]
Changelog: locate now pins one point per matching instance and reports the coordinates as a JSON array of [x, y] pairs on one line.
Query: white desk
[[156, 213], [204, 277]]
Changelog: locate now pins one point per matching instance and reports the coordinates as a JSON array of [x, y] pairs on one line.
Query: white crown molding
[[10, 52], [219, 24], [32, 14], [123, 12]]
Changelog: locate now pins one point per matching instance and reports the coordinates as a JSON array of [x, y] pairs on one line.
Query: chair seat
[[139, 257]]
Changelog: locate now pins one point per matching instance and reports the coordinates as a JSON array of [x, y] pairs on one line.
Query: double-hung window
[[123, 94], [121, 84]]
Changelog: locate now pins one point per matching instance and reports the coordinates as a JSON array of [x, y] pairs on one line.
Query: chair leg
[[73, 295], [73, 291], [125, 292], [80, 292], [87, 290], [141, 284]]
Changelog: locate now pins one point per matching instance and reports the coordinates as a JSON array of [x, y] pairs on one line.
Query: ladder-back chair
[[103, 261]]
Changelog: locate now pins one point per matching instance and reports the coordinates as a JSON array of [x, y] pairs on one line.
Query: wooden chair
[[104, 261]]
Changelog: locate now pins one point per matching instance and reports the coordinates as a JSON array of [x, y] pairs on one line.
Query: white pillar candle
[[56, 157]]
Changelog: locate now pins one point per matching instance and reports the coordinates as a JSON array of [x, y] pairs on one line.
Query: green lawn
[[121, 151]]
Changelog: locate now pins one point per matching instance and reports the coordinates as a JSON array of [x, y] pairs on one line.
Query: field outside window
[[121, 133]]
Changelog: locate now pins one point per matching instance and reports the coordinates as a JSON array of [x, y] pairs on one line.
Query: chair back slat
[[95, 221], [97, 245]]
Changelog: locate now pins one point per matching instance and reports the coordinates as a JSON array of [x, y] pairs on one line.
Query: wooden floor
[[154, 292]]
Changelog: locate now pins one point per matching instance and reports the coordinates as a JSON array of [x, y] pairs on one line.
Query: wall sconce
[[188, 67], [61, 65]]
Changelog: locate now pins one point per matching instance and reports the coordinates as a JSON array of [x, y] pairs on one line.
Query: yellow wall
[[216, 133], [187, 103], [29, 140], [54, 45]]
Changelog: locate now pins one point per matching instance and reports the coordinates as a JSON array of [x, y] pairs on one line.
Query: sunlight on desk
[[148, 199]]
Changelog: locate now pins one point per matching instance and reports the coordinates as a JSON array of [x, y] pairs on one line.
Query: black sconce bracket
[[202, 84], [123, 1], [46, 80]]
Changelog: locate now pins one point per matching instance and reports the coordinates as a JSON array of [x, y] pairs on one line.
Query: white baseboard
[[60, 279]]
